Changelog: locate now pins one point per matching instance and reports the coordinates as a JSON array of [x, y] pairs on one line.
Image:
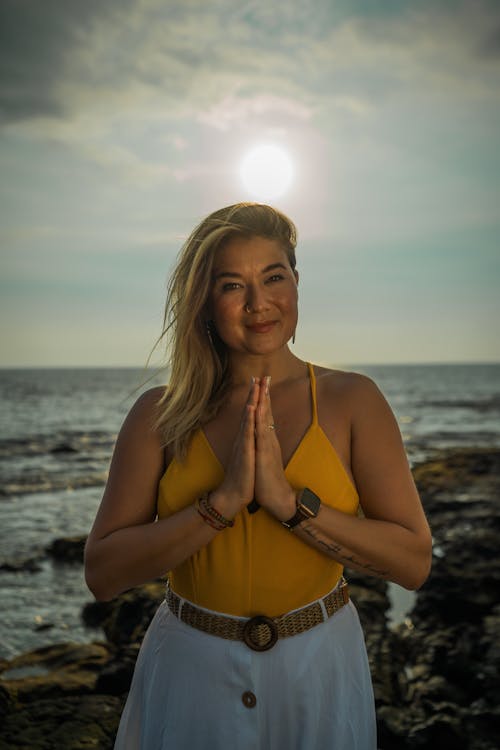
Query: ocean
[[58, 428]]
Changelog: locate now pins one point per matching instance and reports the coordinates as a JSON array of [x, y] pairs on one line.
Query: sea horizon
[[427, 363]]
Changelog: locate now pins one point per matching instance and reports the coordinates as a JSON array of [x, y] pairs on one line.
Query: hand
[[237, 487], [272, 489]]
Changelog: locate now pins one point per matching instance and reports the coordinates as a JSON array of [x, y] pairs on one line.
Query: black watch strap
[[308, 505]]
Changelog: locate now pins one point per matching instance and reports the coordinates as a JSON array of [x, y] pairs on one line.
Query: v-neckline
[[312, 424], [285, 467]]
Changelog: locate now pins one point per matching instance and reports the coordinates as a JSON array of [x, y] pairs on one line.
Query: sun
[[267, 171]]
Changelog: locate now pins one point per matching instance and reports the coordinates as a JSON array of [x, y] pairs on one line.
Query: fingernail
[[253, 380], [268, 383]]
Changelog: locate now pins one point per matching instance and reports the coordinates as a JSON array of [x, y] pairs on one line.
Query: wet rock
[[40, 627], [436, 676], [64, 448], [68, 549], [450, 696], [441, 726], [126, 618], [30, 564], [49, 699], [52, 671], [370, 595], [116, 675], [75, 722]]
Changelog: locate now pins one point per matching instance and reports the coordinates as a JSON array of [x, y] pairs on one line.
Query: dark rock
[[68, 549], [483, 724], [126, 618], [95, 613], [6, 702], [21, 564], [370, 597], [436, 677], [63, 669], [43, 626], [116, 676], [489, 647], [447, 690], [441, 727], [75, 722], [64, 448]]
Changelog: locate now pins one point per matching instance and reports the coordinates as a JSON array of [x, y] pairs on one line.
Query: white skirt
[[196, 691]]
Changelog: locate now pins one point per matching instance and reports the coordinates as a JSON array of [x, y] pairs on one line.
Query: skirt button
[[249, 699]]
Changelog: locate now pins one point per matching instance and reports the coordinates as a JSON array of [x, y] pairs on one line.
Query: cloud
[[235, 109], [36, 42], [176, 59], [490, 44], [149, 90]]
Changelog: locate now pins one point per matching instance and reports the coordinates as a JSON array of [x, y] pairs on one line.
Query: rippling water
[[58, 431]]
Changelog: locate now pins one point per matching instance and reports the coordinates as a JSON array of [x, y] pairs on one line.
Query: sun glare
[[266, 171]]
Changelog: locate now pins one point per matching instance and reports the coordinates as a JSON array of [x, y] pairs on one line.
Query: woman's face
[[253, 301]]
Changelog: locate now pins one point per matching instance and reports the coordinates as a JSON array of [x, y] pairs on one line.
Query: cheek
[[224, 311], [289, 301]]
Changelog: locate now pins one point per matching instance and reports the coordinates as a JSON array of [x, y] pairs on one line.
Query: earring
[[208, 325]]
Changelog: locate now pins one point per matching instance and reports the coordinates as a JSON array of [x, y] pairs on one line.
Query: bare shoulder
[[148, 400], [354, 401], [351, 387], [144, 411]]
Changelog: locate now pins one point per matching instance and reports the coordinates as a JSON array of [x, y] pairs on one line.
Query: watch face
[[309, 502], [308, 507]]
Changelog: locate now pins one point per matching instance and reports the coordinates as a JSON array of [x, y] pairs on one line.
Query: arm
[[393, 539], [127, 546]]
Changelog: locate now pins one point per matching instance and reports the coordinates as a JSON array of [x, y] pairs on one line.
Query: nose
[[256, 300]]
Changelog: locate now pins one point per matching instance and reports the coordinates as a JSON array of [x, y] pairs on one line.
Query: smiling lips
[[263, 327]]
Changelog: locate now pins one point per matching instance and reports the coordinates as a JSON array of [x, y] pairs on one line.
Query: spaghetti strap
[[312, 380]]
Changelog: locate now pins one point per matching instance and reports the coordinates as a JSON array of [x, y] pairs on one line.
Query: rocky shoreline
[[436, 676]]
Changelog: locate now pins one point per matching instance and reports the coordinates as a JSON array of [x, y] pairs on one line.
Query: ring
[[271, 426]]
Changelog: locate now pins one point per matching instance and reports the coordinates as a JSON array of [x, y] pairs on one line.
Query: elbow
[[94, 578], [99, 592], [418, 573], [415, 581], [96, 587]]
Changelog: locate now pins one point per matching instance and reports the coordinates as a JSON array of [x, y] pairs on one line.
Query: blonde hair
[[197, 357]]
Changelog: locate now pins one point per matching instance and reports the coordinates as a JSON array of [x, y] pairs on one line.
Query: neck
[[279, 365]]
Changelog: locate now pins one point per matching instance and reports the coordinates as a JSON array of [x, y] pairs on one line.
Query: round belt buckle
[[250, 634]]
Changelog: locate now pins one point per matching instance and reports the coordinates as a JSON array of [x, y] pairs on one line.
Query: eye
[[230, 285], [275, 277]]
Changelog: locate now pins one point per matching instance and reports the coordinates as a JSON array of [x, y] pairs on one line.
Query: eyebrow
[[232, 274]]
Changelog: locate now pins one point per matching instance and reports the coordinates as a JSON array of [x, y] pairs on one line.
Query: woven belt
[[260, 633]]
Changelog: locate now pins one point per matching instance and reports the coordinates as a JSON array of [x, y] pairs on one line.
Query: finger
[[264, 416], [249, 420], [264, 398], [250, 406], [267, 385], [255, 391]]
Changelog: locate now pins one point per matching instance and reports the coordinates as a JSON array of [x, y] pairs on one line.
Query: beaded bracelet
[[211, 522], [204, 505]]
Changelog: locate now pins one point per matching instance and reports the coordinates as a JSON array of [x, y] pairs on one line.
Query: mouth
[[263, 327]]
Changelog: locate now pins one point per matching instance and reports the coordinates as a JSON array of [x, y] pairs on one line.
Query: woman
[[242, 479]]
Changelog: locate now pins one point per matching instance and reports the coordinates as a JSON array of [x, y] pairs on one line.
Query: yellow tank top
[[258, 566]]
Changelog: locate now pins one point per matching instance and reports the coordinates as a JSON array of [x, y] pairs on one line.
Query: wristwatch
[[308, 505]]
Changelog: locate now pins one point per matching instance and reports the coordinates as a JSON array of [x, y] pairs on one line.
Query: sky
[[124, 122]]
